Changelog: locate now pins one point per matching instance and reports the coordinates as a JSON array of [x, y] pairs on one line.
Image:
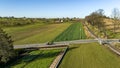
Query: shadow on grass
[[30, 58], [72, 48]]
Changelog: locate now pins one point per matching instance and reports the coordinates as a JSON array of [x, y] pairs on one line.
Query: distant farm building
[[59, 21]]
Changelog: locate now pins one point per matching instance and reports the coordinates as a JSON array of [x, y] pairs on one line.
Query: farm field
[[36, 59], [73, 32], [90, 55], [37, 33]]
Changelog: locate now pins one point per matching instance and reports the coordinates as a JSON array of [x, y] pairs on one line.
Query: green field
[[35, 33], [90, 55], [36, 59], [73, 32]]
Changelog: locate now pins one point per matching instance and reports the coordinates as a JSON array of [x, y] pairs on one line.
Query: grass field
[[73, 32], [90, 55], [36, 59], [37, 33]]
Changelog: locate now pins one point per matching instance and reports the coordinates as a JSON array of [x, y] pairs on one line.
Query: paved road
[[65, 43], [55, 43]]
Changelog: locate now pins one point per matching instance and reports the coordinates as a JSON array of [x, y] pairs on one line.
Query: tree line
[[13, 21], [96, 19]]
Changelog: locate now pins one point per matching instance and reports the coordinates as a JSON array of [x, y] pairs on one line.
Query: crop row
[[73, 32]]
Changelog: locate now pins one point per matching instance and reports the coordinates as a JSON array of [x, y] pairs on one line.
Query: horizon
[[55, 9]]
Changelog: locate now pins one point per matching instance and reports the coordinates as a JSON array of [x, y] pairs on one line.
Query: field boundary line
[[114, 49], [92, 34], [60, 60]]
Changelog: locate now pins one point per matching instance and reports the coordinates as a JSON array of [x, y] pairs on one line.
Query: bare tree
[[116, 13], [100, 12], [116, 16]]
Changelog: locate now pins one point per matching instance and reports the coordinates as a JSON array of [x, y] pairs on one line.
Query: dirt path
[[55, 62]]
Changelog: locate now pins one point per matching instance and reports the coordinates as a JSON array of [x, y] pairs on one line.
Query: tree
[[116, 13], [116, 16], [6, 47], [100, 12], [96, 19]]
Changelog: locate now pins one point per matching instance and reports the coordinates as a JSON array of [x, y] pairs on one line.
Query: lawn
[[73, 32], [36, 59], [90, 55], [35, 33]]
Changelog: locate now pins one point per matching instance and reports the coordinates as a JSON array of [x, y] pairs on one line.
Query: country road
[[55, 43], [65, 43]]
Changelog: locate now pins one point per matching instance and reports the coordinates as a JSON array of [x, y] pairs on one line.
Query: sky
[[55, 8]]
